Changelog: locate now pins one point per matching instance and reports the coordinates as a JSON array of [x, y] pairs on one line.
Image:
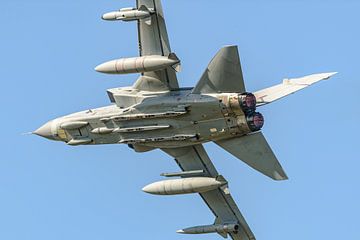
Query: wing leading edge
[[219, 200]]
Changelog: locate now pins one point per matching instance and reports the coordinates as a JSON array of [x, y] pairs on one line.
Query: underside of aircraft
[[155, 113]]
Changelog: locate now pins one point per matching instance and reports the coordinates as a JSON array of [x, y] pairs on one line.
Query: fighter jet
[[155, 113]]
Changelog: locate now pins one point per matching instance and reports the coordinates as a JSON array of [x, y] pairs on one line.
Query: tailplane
[[254, 150]]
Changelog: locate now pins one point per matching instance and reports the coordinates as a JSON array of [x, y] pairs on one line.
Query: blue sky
[[52, 191]]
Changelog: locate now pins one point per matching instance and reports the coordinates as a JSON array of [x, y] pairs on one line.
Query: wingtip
[[330, 74], [280, 176]]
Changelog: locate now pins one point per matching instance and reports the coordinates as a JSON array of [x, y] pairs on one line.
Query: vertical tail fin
[[223, 73]]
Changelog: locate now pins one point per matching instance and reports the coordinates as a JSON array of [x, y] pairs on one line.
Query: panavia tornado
[[155, 113]]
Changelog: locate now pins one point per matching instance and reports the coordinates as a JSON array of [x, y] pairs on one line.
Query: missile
[[184, 185], [102, 130], [106, 119], [139, 64], [82, 141], [140, 128], [222, 229], [167, 114], [181, 137], [130, 14], [73, 125]]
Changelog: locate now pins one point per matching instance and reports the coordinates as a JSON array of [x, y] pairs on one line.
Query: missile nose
[[104, 17], [99, 68], [146, 189], [109, 16], [107, 67], [151, 188], [45, 131]]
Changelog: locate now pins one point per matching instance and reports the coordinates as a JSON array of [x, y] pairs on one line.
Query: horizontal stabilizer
[[223, 74], [287, 87], [254, 150]]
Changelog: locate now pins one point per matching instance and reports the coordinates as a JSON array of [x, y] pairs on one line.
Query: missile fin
[[177, 65], [143, 8], [173, 56]]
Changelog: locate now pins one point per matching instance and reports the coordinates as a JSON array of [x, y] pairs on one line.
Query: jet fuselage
[[171, 119]]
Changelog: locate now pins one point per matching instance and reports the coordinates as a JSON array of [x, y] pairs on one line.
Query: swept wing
[[219, 200], [153, 40], [288, 86]]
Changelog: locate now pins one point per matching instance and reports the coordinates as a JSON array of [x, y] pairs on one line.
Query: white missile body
[[129, 14], [139, 64], [102, 130], [222, 229], [76, 142], [73, 125], [183, 186]]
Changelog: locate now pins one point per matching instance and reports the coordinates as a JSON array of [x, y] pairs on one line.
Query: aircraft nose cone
[[45, 131]]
